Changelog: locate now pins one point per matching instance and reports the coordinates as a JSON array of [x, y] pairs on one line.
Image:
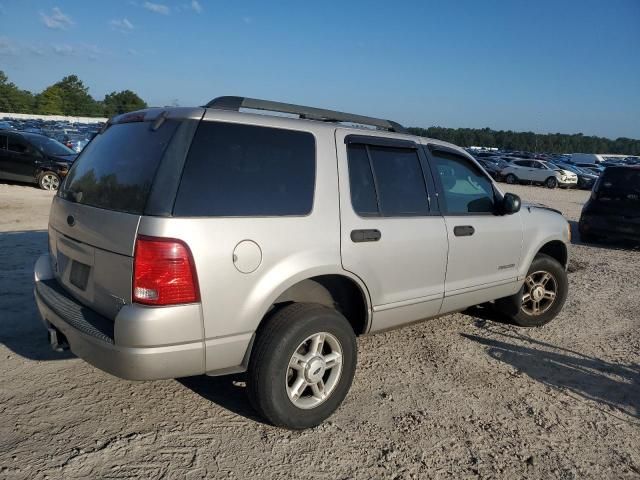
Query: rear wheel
[[551, 182], [302, 365], [49, 181], [511, 179], [541, 297]]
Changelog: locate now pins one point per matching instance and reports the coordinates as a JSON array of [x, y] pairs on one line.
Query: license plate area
[[79, 275]]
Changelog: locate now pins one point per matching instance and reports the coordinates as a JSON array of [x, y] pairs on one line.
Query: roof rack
[[309, 113]]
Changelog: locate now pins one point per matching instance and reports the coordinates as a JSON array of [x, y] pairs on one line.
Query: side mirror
[[510, 204]]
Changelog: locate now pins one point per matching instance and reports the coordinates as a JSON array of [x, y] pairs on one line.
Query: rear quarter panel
[[292, 249]]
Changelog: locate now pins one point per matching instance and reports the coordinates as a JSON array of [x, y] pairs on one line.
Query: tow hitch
[[57, 340]]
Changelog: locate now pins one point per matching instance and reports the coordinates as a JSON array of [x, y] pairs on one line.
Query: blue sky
[[546, 66]]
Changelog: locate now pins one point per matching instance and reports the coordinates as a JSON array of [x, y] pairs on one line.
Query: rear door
[[392, 234], [484, 248], [20, 159], [94, 219]]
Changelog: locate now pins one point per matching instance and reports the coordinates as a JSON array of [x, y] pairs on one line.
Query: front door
[[392, 234], [484, 248]]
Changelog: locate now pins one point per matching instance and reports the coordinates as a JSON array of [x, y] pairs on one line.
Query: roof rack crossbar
[[310, 113]]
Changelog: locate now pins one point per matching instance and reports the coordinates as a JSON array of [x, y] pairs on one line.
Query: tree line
[[69, 96], [531, 142]]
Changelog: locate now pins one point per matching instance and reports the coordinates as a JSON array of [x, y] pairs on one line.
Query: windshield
[[48, 145]]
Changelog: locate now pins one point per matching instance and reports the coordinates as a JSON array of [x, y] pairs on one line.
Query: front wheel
[[541, 297], [49, 181], [551, 182], [302, 366], [511, 179]]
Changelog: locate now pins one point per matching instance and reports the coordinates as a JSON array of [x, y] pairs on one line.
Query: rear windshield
[[620, 184], [115, 171]]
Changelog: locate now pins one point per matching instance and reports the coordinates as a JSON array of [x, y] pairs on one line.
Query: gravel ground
[[461, 396]]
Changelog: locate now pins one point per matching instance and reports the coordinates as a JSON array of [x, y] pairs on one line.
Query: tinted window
[[620, 184], [243, 170], [116, 170], [466, 189], [363, 190], [49, 145], [17, 145], [387, 181], [3, 142]]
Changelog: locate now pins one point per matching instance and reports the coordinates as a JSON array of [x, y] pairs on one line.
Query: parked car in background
[[613, 211], [586, 178], [6, 126], [33, 158], [538, 171], [492, 167], [593, 167]]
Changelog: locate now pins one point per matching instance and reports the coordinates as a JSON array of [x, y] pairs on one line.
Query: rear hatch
[[616, 197], [94, 218]]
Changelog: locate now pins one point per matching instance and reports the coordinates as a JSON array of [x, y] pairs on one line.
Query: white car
[[538, 171]]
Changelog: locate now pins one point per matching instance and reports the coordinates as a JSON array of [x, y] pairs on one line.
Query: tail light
[[164, 272]]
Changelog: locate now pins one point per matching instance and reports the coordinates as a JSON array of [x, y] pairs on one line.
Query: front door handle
[[358, 236], [463, 231]]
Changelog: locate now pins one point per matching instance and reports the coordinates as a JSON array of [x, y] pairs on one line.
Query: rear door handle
[[358, 236], [463, 231]]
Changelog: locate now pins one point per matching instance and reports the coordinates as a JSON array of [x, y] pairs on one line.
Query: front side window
[[386, 181], [465, 188], [235, 170]]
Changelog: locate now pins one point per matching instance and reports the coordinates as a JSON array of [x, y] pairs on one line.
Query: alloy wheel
[[314, 370], [540, 292], [50, 181]]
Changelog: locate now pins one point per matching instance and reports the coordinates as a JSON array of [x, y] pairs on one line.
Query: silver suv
[[189, 241]]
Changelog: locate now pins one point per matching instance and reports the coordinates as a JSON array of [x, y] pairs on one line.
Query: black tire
[[511, 179], [551, 182], [49, 181], [276, 342], [513, 308]]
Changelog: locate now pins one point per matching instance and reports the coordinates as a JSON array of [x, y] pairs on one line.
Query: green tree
[[12, 99], [75, 97], [125, 101], [50, 101]]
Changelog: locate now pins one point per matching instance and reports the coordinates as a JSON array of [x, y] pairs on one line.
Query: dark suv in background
[[34, 158], [613, 211]]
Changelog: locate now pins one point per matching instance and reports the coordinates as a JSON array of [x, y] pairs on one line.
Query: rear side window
[[17, 145], [116, 170], [237, 170], [386, 181]]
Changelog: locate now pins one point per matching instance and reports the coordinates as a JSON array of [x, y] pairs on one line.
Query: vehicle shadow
[[228, 391], [614, 385], [606, 243], [21, 330]]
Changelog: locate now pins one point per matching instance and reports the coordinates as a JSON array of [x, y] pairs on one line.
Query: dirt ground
[[461, 396]]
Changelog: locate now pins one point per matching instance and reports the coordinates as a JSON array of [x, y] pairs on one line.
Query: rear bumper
[[609, 227], [94, 338]]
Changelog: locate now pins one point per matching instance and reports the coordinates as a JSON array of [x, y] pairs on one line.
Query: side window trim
[[429, 150]]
